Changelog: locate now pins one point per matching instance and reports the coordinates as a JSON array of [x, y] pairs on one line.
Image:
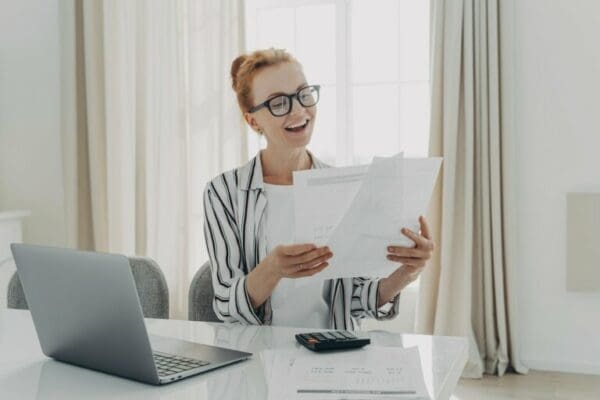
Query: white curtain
[[156, 119], [218, 138], [468, 288]]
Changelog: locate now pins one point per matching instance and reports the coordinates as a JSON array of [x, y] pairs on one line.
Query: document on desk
[[369, 373], [359, 211]]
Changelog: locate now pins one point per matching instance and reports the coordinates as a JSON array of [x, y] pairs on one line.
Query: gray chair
[[149, 280], [200, 296], [15, 296]]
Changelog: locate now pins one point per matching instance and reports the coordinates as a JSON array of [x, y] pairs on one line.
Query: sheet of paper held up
[[359, 211], [369, 373]]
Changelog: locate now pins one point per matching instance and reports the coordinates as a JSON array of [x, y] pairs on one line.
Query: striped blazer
[[234, 203]]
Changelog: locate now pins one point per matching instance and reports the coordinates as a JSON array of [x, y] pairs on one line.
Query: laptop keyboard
[[168, 364]]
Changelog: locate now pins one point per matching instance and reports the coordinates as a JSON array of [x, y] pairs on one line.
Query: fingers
[[408, 252], [296, 249], [299, 260], [311, 255], [308, 260], [420, 241], [292, 268], [310, 272], [315, 262], [425, 231]]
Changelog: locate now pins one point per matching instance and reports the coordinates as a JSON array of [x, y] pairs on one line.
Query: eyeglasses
[[281, 105]]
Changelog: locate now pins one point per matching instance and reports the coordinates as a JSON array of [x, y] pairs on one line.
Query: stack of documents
[[368, 373], [359, 211]]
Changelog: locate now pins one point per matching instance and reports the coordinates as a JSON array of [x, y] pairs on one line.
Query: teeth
[[298, 125]]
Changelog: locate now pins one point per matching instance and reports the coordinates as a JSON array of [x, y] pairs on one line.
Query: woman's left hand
[[413, 260], [414, 257]]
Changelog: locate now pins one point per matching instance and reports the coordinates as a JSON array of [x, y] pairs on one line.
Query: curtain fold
[[467, 290], [141, 164]]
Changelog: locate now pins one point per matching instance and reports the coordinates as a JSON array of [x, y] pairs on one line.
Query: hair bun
[[246, 66], [235, 67]]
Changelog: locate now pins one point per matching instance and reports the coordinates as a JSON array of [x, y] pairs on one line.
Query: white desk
[[25, 373]]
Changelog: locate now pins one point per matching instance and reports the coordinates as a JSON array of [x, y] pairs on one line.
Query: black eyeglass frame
[[290, 98]]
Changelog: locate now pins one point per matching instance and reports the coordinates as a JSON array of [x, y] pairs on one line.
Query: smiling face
[[292, 130]]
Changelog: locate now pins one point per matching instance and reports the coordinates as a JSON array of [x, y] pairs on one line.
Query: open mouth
[[297, 128]]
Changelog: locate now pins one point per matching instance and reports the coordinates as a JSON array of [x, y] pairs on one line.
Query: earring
[[260, 131]]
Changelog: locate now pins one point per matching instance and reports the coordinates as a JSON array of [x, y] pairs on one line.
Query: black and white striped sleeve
[[364, 300], [231, 302]]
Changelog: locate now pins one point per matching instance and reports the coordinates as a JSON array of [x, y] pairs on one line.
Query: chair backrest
[[151, 286], [200, 298], [149, 280], [15, 297]]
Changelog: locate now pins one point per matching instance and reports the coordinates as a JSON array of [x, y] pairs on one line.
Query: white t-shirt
[[294, 303]]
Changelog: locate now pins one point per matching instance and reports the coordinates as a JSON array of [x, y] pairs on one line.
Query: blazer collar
[[251, 176]]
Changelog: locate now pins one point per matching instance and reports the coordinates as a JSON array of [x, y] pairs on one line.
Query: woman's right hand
[[285, 261], [298, 260]]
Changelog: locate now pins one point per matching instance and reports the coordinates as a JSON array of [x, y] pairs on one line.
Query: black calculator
[[331, 340]]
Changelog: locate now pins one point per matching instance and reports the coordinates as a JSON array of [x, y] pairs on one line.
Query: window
[[371, 58]]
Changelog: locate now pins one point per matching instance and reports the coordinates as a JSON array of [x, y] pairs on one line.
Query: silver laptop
[[86, 312]]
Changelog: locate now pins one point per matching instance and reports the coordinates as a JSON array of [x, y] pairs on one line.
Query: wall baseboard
[[560, 366]]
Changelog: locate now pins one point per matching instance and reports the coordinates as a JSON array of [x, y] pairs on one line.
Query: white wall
[[31, 175], [553, 64]]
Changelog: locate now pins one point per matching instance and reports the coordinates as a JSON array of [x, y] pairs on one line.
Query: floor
[[533, 386]]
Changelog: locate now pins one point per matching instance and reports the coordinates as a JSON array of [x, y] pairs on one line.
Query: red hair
[[245, 67]]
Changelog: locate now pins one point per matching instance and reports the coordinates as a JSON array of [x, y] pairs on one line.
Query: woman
[[248, 211]]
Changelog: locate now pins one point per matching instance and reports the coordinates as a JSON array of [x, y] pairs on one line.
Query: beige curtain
[[143, 154], [468, 290]]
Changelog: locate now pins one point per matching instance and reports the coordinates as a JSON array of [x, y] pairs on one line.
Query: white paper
[[359, 211], [368, 373], [321, 198]]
